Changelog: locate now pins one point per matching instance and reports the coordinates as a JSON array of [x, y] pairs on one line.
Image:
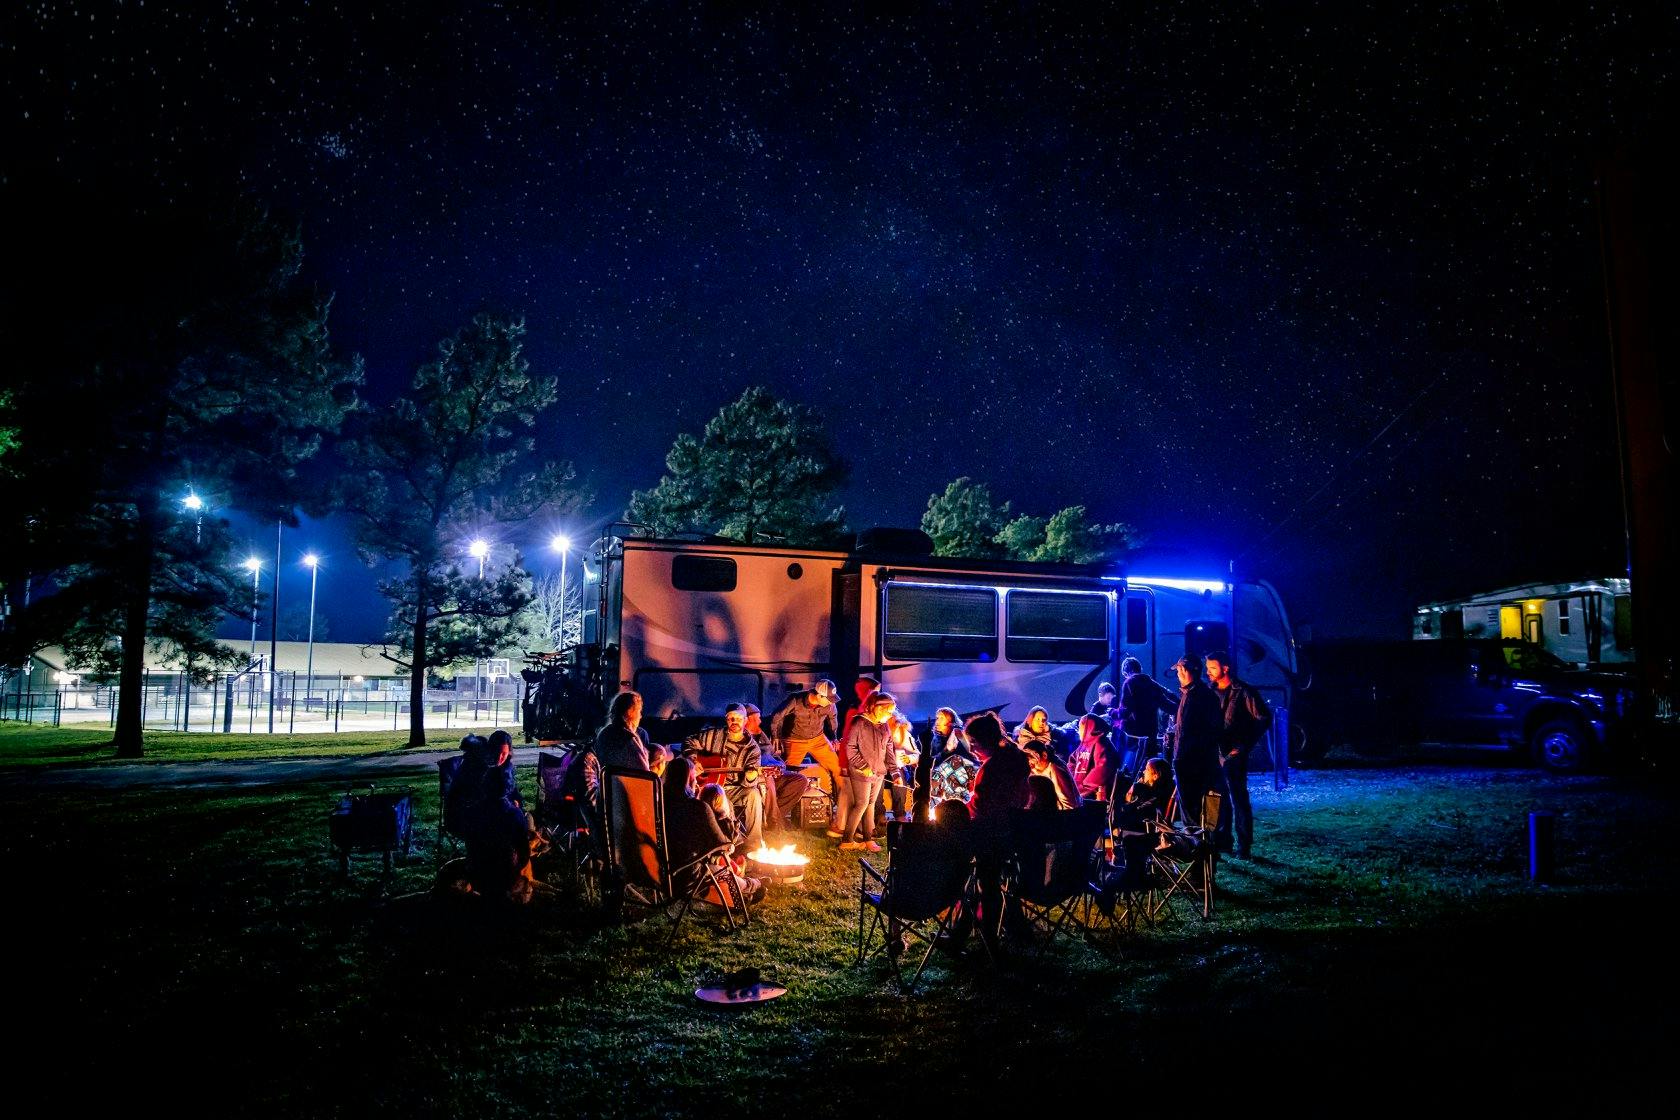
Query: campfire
[[784, 865]]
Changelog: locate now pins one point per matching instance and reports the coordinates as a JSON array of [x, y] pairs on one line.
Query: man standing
[[742, 777], [805, 725], [1141, 702], [1245, 717], [1197, 728]]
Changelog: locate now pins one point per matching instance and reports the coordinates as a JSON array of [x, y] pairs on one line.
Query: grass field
[[197, 947], [22, 744]]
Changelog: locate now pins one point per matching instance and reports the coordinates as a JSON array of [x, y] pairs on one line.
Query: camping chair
[[1055, 859], [920, 895], [448, 770], [1186, 857], [639, 859], [564, 814]]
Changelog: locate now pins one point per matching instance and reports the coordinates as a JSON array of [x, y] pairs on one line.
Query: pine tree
[[763, 469], [439, 466], [166, 346]]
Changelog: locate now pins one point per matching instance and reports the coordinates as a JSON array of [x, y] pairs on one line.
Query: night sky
[[1314, 288]]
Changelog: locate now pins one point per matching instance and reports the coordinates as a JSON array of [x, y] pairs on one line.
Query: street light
[[254, 566], [314, 564], [562, 544], [479, 548], [195, 506]]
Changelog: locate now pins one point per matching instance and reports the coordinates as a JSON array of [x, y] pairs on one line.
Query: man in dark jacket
[[1245, 717], [1197, 729], [1142, 700]]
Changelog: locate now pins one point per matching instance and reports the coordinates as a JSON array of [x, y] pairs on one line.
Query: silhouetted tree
[[439, 467], [164, 345], [763, 469], [965, 521]]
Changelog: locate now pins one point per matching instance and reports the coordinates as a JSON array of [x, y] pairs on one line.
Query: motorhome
[[1585, 623], [695, 624]]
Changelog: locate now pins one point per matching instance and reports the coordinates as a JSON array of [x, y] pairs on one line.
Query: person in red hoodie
[[1000, 788]]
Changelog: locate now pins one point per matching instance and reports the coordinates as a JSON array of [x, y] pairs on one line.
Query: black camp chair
[[639, 860], [1055, 859], [565, 816], [1186, 857], [919, 895]]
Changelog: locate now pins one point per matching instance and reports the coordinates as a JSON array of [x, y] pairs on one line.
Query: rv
[[1586, 623], [693, 625]]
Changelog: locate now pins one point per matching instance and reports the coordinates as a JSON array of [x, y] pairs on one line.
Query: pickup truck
[[1474, 692]]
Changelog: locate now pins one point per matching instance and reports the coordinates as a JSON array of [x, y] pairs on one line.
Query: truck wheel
[[1560, 746]]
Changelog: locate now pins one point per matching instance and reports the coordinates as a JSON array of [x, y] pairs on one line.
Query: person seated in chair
[[498, 740], [1096, 763], [783, 785], [1145, 804], [692, 827], [743, 775], [1050, 786], [499, 834]]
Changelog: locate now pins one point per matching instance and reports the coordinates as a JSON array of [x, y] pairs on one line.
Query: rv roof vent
[[895, 542]]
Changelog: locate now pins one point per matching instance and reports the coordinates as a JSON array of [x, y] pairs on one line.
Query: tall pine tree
[[165, 346], [448, 462]]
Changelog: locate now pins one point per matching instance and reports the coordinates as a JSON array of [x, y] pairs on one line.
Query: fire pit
[[779, 865]]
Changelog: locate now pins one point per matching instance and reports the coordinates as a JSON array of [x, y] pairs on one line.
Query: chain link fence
[[244, 702]]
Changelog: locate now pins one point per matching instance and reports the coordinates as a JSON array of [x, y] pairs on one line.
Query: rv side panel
[[702, 626]]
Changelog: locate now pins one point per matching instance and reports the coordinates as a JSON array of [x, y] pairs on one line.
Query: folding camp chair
[[1055, 859], [1186, 856], [639, 858], [919, 895], [564, 814]]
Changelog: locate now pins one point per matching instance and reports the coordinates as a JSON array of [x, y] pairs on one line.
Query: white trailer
[[693, 625], [1587, 622]]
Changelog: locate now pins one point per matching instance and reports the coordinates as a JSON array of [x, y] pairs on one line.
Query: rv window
[[1046, 626], [1137, 620], [702, 573], [1563, 617], [927, 623]]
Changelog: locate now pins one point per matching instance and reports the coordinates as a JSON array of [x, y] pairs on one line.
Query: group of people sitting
[[730, 785]]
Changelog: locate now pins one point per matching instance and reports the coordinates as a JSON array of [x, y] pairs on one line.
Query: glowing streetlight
[[254, 566], [195, 506], [313, 563], [479, 548], [562, 544]]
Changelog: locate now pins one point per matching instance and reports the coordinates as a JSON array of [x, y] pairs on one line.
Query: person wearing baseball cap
[[805, 725]]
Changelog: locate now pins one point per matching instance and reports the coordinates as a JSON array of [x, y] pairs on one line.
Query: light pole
[[479, 548], [195, 506], [254, 566], [562, 544], [314, 564]]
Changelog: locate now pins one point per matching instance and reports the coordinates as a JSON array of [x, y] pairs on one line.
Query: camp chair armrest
[[869, 871], [719, 852]]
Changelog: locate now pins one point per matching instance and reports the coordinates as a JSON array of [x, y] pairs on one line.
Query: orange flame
[[785, 855]]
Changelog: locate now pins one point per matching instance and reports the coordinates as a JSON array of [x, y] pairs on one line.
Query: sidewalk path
[[264, 772]]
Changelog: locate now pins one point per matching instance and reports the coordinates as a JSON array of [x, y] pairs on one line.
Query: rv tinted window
[[1048, 626], [927, 623], [1137, 620], [702, 573]]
